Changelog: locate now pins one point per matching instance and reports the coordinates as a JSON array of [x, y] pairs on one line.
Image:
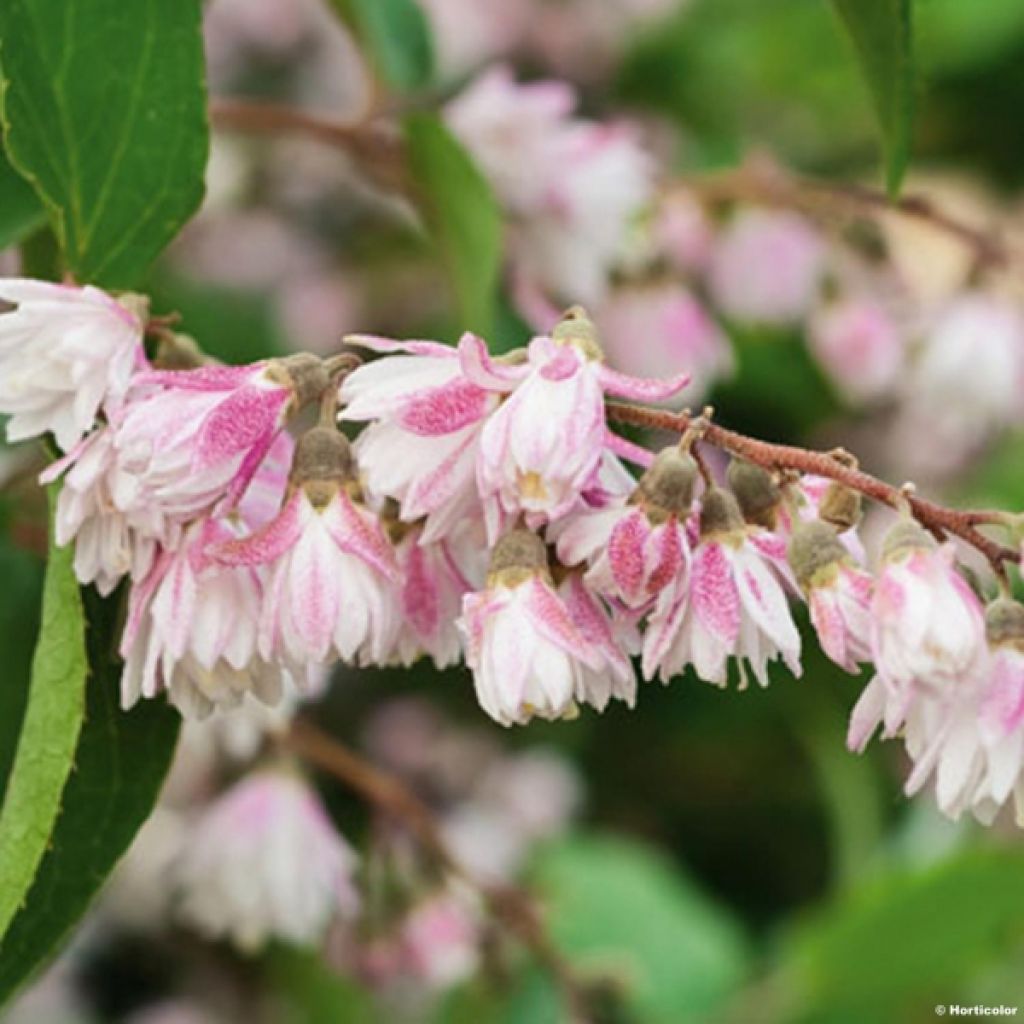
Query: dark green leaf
[[397, 36], [462, 216], [881, 34], [49, 732], [908, 942], [615, 905], [105, 113], [119, 766], [20, 210]]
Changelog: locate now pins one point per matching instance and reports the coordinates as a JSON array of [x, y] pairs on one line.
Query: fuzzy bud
[[758, 494], [322, 456], [814, 552], [666, 489], [906, 535], [576, 328], [179, 352], [720, 513], [304, 373], [1004, 623], [518, 554], [841, 506]]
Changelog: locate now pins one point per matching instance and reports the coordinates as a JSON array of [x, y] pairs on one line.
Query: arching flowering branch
[[939, 519]]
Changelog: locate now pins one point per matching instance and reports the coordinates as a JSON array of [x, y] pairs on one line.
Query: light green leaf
[[895, 948], [104, 110], [397, 36], [119, 766], [49, 733], [882, 36], [20, 209], [617, 906], [462, 216]]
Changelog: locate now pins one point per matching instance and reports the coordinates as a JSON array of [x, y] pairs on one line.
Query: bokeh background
[[719, 855]]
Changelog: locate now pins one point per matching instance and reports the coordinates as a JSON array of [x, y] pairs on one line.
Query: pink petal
[[550, 618], [355, 535], [483, 371], [375, 343], [268, 544], [623, 386], [716, 601], [443, 410]]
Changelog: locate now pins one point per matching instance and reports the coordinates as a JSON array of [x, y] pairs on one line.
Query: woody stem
[[941, 521]]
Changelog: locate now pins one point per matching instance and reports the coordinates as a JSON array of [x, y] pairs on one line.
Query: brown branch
[[510, 907], [376, 146], [762, 180], [937, 518]]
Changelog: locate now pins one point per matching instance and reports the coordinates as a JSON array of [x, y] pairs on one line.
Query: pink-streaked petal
[[638, 388], [206, 378], [444, 410], [716, 601], [240, 421], [484, 371], [626, 555], [629, 451], [355, 535], [551, 619], [268, 544]]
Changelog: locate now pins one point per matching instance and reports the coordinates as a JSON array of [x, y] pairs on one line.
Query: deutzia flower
[[265, 863], [420, 447], [192, 630], [735, 606], [526, 654], [545, 443], [195, 438], [65, 352], [331, 569], [838, 593]]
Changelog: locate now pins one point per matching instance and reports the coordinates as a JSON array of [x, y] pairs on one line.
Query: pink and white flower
[[526, 654], [838, 593], [195, 438], [544, 445], [767, 267], [191, 630], [65, 353], [265, 863], [636, 550], [928, 627], [735, 606], [433, 582], [426, 416], [859, 345], [440, 939], [330, 566]]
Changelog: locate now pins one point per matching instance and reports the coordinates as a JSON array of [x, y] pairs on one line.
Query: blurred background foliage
[[735, 862]]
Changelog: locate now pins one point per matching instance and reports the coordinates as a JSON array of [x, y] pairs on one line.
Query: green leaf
[[898, 947], [310, 992], [119, 767], [49, 733], [398, 37], [462, 216], [105, 113], [616, 905], [881, 34], [20, 210]]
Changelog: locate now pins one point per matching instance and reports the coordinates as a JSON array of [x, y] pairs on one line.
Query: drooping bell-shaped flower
[[838, 592], [331, 569], [65, 351], [526, 654], [636, 549], [265, 862], [195, 438], [544, 445], [735, 606], [424, 423], [191, 630]]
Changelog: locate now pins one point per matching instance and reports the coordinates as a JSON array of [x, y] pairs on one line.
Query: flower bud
[[758, 494], [1004, 623], [815, 553], [323, 458], [841, 506], [179, 352], [577, 329], [517, 555], [720, 513], [305, 374], [907, 535], [666, 489]]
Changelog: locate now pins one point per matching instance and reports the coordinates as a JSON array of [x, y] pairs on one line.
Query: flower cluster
[[485, 510]]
